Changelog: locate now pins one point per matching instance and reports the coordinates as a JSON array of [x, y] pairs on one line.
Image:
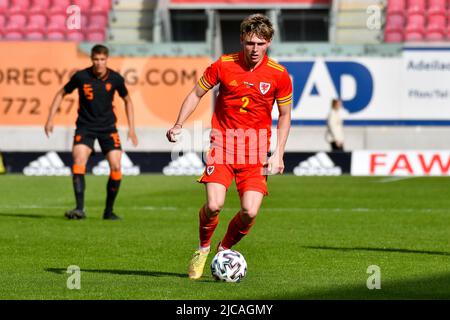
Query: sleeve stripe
[[286, 97], [204, 84], [284, 103]]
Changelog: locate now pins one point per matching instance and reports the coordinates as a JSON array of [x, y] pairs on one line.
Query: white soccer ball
[[228, 265]]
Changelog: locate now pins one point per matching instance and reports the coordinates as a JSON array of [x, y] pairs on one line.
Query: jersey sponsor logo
[[264, 87], [209, 170], [188, 164], [88, 91], [108, 86], [319, 164], [127, 167], [312, 80], [50, 164]]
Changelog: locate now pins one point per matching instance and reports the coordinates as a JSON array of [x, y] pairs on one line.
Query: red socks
[[237, 229], [207, 227]]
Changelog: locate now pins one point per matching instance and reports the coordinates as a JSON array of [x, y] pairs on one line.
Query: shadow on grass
[[123, 272], [441, 253], [434, 287], [28, 215]]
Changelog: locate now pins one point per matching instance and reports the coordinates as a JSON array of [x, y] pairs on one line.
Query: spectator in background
[[335, 127]]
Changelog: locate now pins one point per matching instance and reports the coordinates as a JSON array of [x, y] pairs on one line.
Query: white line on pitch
[[393, 179]]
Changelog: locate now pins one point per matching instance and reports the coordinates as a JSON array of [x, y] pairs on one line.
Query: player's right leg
[[80, 154], [208, 220]]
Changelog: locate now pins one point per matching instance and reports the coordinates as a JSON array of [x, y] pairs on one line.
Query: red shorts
[[249, 177]]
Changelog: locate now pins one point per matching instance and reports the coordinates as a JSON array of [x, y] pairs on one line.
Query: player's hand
[[133, 137], [48, 128], [275, 165], [172, 133]]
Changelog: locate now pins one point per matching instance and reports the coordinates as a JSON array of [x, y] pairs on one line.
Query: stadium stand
[[46, 20], [416, 21]]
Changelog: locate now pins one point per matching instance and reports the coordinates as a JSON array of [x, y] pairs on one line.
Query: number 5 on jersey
[[245, 102]]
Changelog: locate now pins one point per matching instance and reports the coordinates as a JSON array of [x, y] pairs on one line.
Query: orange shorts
[[249, 177]]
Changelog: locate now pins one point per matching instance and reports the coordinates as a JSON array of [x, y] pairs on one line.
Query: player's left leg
[[240, 225], [115, 177]]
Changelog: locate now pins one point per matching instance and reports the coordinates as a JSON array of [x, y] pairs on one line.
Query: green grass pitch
[[314, 238]]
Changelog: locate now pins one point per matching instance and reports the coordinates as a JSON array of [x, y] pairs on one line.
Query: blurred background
[[387, 61]]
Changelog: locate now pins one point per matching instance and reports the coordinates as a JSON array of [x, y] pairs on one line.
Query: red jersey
[[243, 110]]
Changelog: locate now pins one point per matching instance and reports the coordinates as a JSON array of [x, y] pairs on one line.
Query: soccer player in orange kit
[[250, 83]]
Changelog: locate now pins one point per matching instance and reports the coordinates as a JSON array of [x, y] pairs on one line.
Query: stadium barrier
[[356, 163]]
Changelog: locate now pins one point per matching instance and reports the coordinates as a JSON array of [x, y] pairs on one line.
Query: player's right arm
[[190, 103], [54, 107]]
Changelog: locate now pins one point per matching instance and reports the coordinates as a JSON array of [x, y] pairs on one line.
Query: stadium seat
[[416, 19], [44, 4], [2, 21], [22, 4], [414, 33], [104, 4], [395, 20], [440, 5], [4, 5], [75, 35], [98, 20], [56, 34], [85, 5], [57, 19], [13, 35], [416, 6], [35, 34], [37, 20], [395, 6], [435, 33], [437, 18], [18, 19], [95, 36], [393, 34]]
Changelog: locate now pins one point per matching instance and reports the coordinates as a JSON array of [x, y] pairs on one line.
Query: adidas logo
[[233, 83], [128, 167], [187, 165], [49, 164], [319, 164]]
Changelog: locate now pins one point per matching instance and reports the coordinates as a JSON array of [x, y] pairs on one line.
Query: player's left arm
[[276, 162], [130, 117]]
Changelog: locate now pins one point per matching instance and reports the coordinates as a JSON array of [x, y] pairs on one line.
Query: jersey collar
[[104, 78]]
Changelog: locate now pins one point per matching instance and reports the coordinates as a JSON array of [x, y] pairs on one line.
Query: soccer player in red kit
[[250, 82]]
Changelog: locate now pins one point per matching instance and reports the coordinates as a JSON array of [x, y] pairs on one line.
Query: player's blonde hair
[[258, 25]]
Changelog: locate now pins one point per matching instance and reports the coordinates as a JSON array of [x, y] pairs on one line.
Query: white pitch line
[[393, 179]]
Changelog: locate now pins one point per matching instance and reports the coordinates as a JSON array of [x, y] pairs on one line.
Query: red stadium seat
[[437, 4], [58, 20], [56, 34], [435, 33], [104, 4], [23, 4], [437, 18], [2, 21], [416, 6], [85, 5], [395, 19], [35, 34], [395, 6], [75, 35], [13, 35], [95, 36], [414, 33], [98, 20], [416, 19], [44, 4], [4, 5], [37, 20], [18, 19], [393, 34]]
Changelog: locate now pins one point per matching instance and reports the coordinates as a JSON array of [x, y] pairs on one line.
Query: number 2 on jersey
[[245, 101]]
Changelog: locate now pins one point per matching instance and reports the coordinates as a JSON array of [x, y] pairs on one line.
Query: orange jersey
[[245, 101]]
